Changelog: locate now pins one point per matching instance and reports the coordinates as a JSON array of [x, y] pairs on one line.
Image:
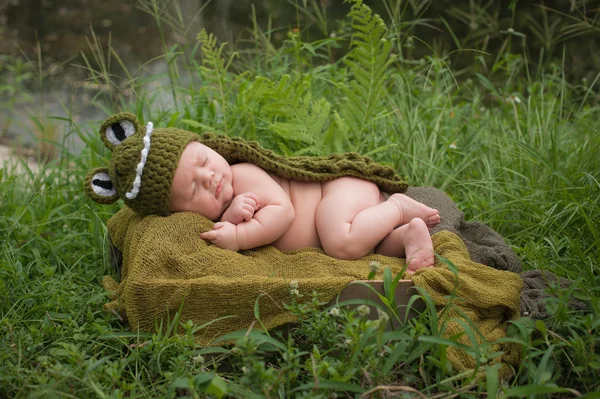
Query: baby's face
[[202, 182]]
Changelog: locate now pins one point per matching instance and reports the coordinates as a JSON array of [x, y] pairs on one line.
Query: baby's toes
[[420, 263], [432, 221]]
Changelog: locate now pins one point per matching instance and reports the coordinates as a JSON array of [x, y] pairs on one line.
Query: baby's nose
[[207, 177]]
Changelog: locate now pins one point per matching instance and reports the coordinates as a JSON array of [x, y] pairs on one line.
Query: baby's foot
[[410, 209], [418, 246]]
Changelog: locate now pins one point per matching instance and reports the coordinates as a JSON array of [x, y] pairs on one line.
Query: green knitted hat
[[142, 166]]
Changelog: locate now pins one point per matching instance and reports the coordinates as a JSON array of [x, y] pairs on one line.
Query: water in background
[[61, 31]]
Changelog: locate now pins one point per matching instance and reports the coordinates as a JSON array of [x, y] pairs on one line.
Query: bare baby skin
[[346, 217]]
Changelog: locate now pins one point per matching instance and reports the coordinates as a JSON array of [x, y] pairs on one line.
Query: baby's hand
[[223, 235], [241, 209]]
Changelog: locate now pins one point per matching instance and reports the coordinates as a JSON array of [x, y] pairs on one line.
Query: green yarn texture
[[305, 168]]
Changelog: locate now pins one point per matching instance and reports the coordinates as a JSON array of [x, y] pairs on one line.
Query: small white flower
[[245, 370], [382, 316], [294, 284], [363, 310], [198, 359], [453, 146], [332, 34], [375, 266], [513, 99], [295, 292], [335, 312]]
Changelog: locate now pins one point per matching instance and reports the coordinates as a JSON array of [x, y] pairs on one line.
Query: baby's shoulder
[[247, 167], [245, 174]]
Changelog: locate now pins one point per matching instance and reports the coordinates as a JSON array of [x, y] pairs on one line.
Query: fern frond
[[214, 70], [307, 122], [368, 62], [334, 138]]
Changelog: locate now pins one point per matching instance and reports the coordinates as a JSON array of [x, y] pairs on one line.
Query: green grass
[[522, 157]]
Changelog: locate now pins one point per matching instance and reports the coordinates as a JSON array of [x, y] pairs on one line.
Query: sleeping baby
[[160, 171]]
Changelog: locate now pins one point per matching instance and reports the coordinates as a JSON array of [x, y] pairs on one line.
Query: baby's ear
[[100, 187], [117, 128]]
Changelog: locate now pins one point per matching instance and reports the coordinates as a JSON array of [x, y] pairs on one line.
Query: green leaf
[[443, 341], [398, 351], [203, 379], [217, 387], [542, 374], [257, 307], [191, 123], [535, 390], [541, 326], [181, 383], [492, 381]]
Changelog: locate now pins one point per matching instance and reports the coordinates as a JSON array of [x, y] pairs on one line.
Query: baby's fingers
[[247, 215], [249, 208], [209, 235], [212, 234], [250, 203], [251, 198]]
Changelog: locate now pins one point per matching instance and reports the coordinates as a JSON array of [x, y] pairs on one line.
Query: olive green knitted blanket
[[166, 263]]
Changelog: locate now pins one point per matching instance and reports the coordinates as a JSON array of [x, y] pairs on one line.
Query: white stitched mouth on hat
[[140, 166]]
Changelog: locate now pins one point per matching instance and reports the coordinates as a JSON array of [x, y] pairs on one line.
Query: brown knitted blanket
[[488, 247]]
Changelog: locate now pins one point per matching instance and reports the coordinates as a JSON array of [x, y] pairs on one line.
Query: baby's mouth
[[219, 187]]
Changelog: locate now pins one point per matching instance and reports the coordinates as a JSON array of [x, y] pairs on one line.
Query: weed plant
[[522, 157]]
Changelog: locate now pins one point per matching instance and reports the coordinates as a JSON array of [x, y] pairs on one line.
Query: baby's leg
[[411, 241], [350, 219], [411, 209]]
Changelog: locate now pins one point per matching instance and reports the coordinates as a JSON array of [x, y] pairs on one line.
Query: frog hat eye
[[119, 131], [117, 128], [99, 186]]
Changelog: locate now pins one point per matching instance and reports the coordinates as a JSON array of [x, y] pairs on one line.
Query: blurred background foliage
[[77, 59], [468, 34]]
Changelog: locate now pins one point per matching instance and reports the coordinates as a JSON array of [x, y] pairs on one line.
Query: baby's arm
[[272, 219], [276, 211]]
